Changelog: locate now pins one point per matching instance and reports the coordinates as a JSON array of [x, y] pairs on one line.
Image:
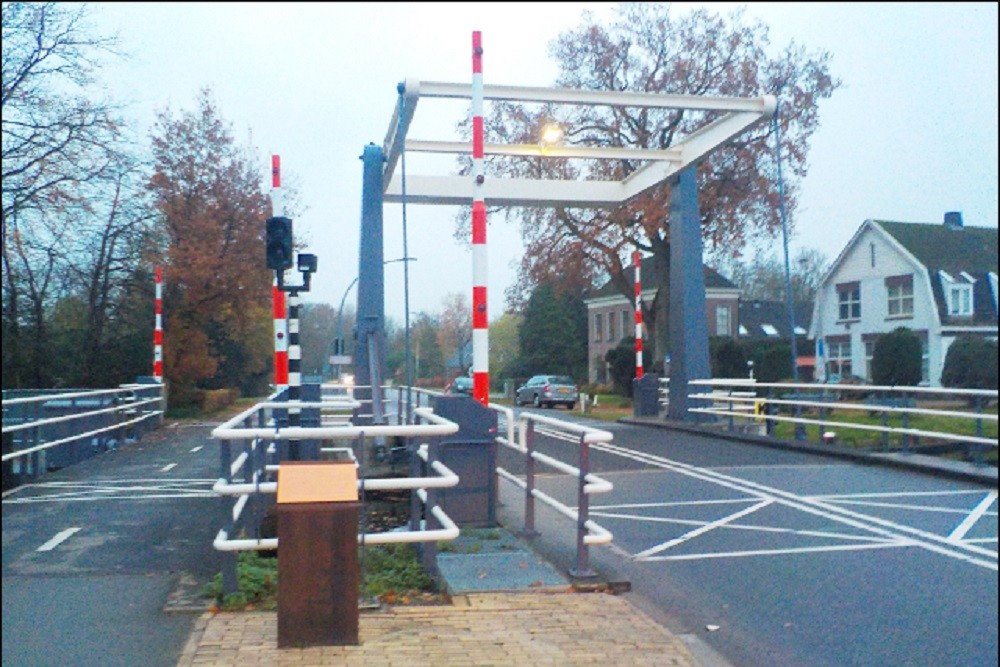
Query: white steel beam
[[457, 191], [535, 150]]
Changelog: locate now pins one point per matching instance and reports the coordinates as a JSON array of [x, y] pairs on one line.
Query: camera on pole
[[279, 243]]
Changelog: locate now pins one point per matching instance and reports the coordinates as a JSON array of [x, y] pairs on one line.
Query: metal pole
[[340, 321], [637, 262], [800, 432], [158, 328], [480, 272], [294, 370], [401, 88]]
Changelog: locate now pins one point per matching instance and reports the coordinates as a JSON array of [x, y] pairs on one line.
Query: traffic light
[[279, 243]]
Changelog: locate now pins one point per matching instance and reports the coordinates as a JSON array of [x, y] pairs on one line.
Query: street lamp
[[340, 312], [800, 431]]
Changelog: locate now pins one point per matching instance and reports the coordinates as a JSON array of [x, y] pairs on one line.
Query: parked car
[[547, 391], [461, 385]]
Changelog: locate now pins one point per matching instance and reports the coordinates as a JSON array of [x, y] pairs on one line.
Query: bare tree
[[57, 139]]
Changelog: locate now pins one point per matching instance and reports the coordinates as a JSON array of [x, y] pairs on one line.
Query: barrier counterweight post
[[480, 271], [158, 328], [637, 262]]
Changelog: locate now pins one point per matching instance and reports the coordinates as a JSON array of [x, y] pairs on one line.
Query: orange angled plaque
[[317, 482]]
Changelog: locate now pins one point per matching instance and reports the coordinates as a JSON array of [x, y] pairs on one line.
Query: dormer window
[[957, 293]]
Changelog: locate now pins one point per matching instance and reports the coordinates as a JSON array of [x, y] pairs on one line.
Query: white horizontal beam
[[764, 105], [457, 191], [535, 150]]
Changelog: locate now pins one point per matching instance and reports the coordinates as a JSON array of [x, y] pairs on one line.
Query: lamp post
[[800, 432], [340, 310]]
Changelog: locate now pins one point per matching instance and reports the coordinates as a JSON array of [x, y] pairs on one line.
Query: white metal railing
[[761, 404], [528, 425], [33, 426], [259, 442]]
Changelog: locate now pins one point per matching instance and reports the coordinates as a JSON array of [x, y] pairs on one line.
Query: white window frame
[[900, 296], [838, 356], [723, 320], [598, 328], [849, 299], [957, 295]]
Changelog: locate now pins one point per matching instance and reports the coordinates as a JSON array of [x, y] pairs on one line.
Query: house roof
[[954, 249], [769, 319], [649, 276]]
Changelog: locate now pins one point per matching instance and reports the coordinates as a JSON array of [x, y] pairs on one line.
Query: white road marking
[[168, 467], [781, 552], [963, 551], [58, 539], [702, 530], [135, 489], [922, 508], [196, 449], [739, 526], [974, 516]]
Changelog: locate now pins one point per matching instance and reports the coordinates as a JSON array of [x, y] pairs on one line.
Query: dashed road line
[[58, 539], [168, 467]]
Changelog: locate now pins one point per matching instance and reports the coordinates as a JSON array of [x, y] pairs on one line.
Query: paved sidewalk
[[555, 629]]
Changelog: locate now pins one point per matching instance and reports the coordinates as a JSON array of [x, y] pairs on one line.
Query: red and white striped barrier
[[480, 271], [637, 261], [278, 307], [158, 328], [280, 315]]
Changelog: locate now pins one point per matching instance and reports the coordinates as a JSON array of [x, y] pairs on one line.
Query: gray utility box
[[646, 395], [471, 453]]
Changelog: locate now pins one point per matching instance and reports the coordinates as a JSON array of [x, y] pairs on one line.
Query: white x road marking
[[890, 534], [124, 489]]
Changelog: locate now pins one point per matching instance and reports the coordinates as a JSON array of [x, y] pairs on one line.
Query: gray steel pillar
[[688, 320], [369, 371]]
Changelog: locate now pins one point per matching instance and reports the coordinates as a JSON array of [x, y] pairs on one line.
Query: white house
[[938, 280]]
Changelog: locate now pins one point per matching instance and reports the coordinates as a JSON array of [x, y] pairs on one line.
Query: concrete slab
[[494, 559]]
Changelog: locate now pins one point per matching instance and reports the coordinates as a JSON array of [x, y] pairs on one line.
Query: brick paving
[[502, 629]]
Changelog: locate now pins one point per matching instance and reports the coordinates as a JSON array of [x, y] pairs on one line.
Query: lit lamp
[[552, 134]]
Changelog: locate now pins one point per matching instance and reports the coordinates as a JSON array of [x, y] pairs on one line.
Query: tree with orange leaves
[[217, 322]]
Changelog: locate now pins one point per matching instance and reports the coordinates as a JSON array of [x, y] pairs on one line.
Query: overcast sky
[[910, 135]]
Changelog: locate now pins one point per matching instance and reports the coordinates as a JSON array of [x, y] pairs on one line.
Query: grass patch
[[391, 572]]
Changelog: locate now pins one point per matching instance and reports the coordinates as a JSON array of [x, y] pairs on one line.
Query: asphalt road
[[773, 557], [95, 556]]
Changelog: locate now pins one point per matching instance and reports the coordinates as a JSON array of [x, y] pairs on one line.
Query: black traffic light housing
[[279, 243]]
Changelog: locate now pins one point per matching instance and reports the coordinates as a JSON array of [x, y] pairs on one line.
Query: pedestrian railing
[[891, 411], [46, 430], [250, 450], [528, 427]]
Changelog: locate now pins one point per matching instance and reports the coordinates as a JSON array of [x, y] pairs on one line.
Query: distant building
[[611, 316], [938, 280]]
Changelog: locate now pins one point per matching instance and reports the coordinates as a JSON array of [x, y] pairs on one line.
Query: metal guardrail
[[249, 475], [758, 403], [588, 532], [46, 430]]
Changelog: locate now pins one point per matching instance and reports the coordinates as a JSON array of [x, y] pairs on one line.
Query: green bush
[[728, 358], [896, 358], [971, 363], [622, 365], [774, 363]]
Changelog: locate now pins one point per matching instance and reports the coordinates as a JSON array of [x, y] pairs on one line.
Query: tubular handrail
[[735, 405], [261, 439], [711, 382], [128, 401], [588, 531]]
